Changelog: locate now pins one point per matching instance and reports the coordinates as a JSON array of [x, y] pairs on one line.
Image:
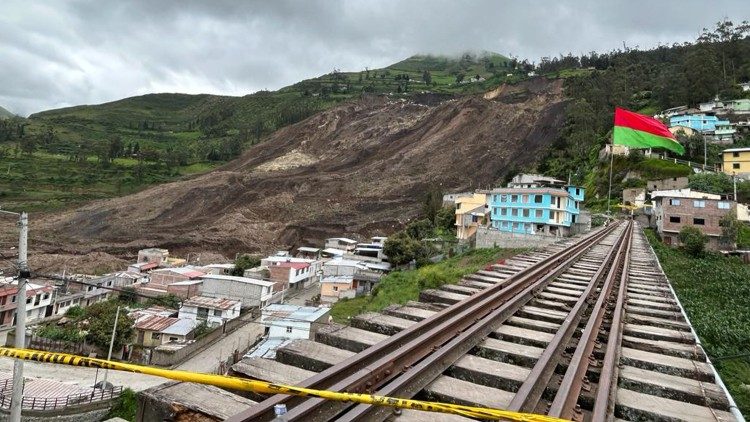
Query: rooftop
[[334, 251], [308, 249], [295, 265], [185, 271], [337, 279], [239, 279], [737, 150], [211, 302], [533, 191], [181, 327], [155, 323], [342, 239], [279, 311], [683, 193]]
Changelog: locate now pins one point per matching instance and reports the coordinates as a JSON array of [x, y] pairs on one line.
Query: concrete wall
[[93, 412], [487, 238]]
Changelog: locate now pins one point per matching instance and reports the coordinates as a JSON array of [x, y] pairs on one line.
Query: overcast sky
[[56, 53]]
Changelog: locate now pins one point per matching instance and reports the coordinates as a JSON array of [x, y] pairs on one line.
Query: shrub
[[74, 312], [125, 406], [693, 240]]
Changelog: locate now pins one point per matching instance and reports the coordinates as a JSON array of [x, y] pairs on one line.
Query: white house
[[342, 243], [212, 311], [251, 292], [292, 321]]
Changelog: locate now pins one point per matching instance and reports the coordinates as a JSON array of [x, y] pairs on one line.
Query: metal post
[[16, 402], [734, 182], [611, 164], [111, 345], [705, 159]]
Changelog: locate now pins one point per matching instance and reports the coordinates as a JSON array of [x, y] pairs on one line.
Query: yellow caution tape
[[263, 387]]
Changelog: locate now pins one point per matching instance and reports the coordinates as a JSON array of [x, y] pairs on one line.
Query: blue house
[[544, 210], [700, 122]]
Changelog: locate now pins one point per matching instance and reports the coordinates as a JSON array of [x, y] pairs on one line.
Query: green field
[[715, 291]]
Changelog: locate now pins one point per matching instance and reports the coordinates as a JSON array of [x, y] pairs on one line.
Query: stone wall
[[487, 238]]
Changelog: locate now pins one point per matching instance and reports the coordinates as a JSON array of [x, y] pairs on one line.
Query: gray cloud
[[55, 53]]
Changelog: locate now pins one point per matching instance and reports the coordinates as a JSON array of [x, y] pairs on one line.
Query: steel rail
[[377, 364], [528, 395], [416, 378], [604, 405], [566, 399]]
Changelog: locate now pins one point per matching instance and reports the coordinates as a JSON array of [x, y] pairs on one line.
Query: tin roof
[[155, 323], [239, 279], [181, 327], [279, 312], [683, 193], [211, 302]]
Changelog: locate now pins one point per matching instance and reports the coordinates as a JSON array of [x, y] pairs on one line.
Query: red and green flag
[[638, 131]]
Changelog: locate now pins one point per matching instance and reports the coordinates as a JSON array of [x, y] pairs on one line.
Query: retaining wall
[[487, 238]]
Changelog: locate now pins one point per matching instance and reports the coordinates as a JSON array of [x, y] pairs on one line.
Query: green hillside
[[5, 114], [98, 151]]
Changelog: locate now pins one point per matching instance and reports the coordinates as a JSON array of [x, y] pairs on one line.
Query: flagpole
[[611, 164]]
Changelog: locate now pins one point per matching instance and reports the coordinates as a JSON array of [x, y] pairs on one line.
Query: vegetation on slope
[[643, 81], [400, 287], [60, 157], [715, 291]]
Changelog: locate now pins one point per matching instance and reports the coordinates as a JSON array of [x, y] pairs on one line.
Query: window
[[539, 213], [173, 339], [217, 312], [673, 219], [578, 191], [28, 300], [46, 295], [735, 166], [202, 313], [504, 211], [735, 154], [524, 198], [538, 199], [699, 204], [155, 336], [526, 212], [514, 198], [699, 222], [335, 288], [13, 299], [723, 205], [674, 202], [503, 198], [514, 212], [494, 198], [519, 226], [288, 329]]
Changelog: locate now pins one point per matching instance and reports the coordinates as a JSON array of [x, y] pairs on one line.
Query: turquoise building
[[699, 122], [544, 210]]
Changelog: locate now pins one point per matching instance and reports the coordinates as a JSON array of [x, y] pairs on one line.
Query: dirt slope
[[360, 168]]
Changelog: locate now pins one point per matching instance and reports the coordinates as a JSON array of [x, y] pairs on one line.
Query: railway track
[[587, 329]]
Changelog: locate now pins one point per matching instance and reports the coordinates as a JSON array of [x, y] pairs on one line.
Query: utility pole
[[734, 182], [111, 345], [16, 402]]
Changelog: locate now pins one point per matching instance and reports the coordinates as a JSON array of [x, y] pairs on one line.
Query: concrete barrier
[[488, 238]]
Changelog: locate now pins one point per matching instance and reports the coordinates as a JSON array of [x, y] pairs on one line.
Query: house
[[293, 321], [307, 252], [368, 252], [634, 196], [675, 209], [449, 199], [218, 269], [292, 275], [699, 121], [142, 267], [161, 278], [683, 130], [378, 240], [153, 255], [670, 183], [545, 210], [155, 330], [745, 86], [739, 106], [736, 161], [253, 293], [471, 212], [186, 289], [333, 288], [524, 180], [341, 243], [212, 311]]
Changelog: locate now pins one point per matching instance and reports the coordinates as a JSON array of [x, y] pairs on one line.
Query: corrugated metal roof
[[238, 279], [155, 323], [182, 327], [211, 302], [277, 311]]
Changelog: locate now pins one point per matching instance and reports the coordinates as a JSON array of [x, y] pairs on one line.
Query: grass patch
[[401, 286], [125, 406], [715, 291]]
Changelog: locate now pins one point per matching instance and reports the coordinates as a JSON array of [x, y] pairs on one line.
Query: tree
[[460, 77], [402, 249], [445, 220], [101, 319], [420, 229], [730, 229], [243, 263], [716, 183], [693, 241], [427, 77], [432, 203]]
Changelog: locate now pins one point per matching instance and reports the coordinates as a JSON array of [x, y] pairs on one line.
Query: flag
[[638, 131]]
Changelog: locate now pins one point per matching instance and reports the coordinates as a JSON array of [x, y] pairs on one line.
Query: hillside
[[106, 150], [358, 168], [5, 114]]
